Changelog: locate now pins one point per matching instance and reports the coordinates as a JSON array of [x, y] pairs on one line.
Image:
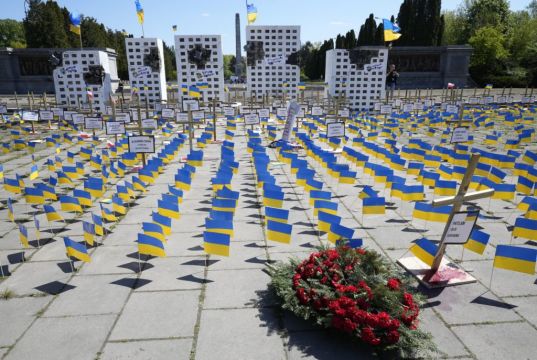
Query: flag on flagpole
[[425, 250], [149, 245], [251, 12], [515, 258], [139, 11], [23, 236], [391, 31], [216, 243], [76, 20], [76, 250], [89, 232]]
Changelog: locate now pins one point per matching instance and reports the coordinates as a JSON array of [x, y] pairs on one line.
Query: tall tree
[[12, 34], [420, 22], [368, 32], [44, 25], [491, 13], [169, 62]]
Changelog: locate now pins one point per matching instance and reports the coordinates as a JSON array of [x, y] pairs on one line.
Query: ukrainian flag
[[118, 206], [251, 13], [76, 20], [98, 222], [478, 242], [325, 220], [70, 204], [273, 198], [367, 192], [422, 211], [23, 236], [34, 172], [107, 214], [12, 185], [326, 206], [34, 196], [122, 193], [89, 232], [202, 85], [10, 212], [149, 245], [425, 250], [164, 221], [194, 91], [219, 226], [445, 187], [279, 232], [312, 184], [504, 191], [139, 11], [170, 209], [155, 230], [228, 205], [139, 184], [226, 193], [84, 197], [76, 250], [274, 214], [440, 213], [319, 195], [184, 88], [373, 205], [51, 213], [524, 185], [339, 232], [301, 86], [515, 258], [525, 228], [216, 244]]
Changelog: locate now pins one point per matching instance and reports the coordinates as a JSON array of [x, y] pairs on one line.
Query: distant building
[[200, 61], [272, 61], [359, 75], [84, 70], [145, 57]]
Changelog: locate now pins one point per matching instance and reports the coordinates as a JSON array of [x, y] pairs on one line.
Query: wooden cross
[[457, 202]]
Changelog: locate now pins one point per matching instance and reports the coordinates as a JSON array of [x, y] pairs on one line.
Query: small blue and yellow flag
[[89, 232], [168, 208], [478, 241], [76, 250], [391, 31], [139, 11], [23, 235], [274, 214], [339, 232], [98, 222], [10, 212], [37, 228], [118, 205], [374, 206], [70, 204], [367, 192], [155, 230], [326, 206], [34, 196], [325, 220], [425, 250], [251, 13], [149, 245], [515, 258], [164, 221], [75, 20], [525, 228], [220, 226], [279, 232], [52, 214], [83, 197], [273, 198], [216, 244], [194, 91], [107, 214], [12, 185]]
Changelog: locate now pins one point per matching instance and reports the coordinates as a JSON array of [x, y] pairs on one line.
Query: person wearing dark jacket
[[391, 81]]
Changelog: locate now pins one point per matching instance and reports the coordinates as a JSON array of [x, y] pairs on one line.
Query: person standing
[[391, 81]]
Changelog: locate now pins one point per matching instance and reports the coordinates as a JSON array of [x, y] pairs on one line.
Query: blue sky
[[319, 19]]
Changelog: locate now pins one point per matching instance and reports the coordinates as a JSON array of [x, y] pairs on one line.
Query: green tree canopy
[[12, 34]]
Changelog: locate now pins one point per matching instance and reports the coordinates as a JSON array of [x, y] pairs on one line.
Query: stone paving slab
[[17, 314], [499, 341], [238, 333], [148, 350], [157, 315], [79, 337]]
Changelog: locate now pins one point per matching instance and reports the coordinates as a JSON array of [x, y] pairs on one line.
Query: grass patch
[[7, 294]]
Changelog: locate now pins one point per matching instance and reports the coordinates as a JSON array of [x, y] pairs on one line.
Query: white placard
[[158, 107], [115, 128], [93, 123], [57, 112], [264, 113], [78, 119], [229, 111], [109, 110], [142, 144], [386, 109], [134, 115], [502, 99], [198, 115], [408, 108], [149, 124], [282, 112], [275, 60], [428, 103], [345, 113], [3, 109], [251, 119], [335, 129], [141, 72], [376, 106], [317, 111], [46, 115], [125, 117], [473, 100], [194, 104], [460, 134], [168, 113], [294, 108], [30, 115], [398, 103], [181, 117], [68, 115], [452, 109], [461, 226]]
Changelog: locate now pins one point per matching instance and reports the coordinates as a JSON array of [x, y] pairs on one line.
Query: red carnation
[[392, 337], [394, 283]]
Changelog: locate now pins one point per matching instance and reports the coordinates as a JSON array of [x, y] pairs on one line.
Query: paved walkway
[[192, 306]]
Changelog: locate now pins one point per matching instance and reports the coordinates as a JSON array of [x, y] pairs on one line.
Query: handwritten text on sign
[[461, 227], [142, 144]]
